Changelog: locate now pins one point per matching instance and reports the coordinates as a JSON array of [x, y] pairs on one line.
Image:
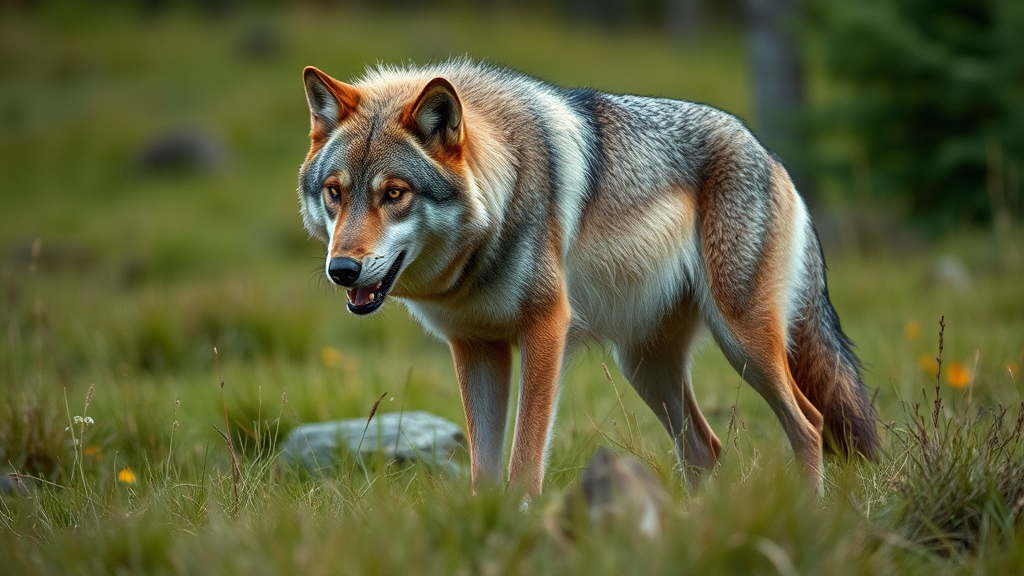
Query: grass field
[[118, 284]]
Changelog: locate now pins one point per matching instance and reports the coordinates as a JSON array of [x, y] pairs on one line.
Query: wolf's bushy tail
[[826, 370]]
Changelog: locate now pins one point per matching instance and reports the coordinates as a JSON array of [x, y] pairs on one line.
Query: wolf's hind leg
[[759, 355], [484, 371], [753, 267], [659, 370]]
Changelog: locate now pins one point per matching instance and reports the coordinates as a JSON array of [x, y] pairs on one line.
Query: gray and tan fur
[[504, 211]]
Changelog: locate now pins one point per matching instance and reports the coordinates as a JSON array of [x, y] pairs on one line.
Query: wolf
[[506, 211]]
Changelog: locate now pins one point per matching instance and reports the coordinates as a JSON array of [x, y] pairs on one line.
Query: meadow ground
[[118, 283]]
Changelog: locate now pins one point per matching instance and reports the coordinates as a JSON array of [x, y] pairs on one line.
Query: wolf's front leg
[[484, 369], [542, 345]]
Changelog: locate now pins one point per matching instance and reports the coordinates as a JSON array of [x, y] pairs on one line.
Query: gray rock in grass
[[402, 436], [13, 484], [196, 150], [950, 271]]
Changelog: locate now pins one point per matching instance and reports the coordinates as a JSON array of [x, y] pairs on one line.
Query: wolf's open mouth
[[367, 299]]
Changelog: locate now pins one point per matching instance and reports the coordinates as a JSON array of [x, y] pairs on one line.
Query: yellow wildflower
[[331, 356], [928, 364], [957, 375], [912, 330], [94, 451], [126, 476]]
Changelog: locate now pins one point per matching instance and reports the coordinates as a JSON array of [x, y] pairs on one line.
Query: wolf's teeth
[[371, 296]]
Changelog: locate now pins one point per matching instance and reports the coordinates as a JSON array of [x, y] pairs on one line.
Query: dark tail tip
[[851, 423]]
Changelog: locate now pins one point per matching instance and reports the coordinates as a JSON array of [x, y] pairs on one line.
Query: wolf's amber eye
[[333, 193], [393, 193]]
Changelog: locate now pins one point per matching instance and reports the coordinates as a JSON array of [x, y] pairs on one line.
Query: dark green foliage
[[930, 97]]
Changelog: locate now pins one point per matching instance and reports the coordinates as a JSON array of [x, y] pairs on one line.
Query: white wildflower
[[78, 420], [89, 421]]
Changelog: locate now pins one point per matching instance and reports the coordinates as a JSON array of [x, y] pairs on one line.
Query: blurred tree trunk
[[684, 19], [779, 99]]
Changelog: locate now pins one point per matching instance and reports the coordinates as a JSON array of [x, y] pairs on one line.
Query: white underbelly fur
[[608, 305]]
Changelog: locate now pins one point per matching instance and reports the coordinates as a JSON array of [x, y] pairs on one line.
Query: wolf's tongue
[[362, 296]]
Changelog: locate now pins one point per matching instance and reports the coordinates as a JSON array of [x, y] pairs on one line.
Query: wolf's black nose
[[344, 271]]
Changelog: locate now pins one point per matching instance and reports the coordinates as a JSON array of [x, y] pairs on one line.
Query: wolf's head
[[386, 185]]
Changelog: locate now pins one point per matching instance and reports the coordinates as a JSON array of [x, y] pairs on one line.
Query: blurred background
[[149, 152]]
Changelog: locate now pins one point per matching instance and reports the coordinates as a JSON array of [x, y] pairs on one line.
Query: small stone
[[260, 41], [403, 436], [12, 484], [184, 150], [948, 270], [615, 490]]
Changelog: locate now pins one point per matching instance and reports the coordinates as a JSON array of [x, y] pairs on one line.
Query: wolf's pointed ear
[[330, 101], [436, 115]]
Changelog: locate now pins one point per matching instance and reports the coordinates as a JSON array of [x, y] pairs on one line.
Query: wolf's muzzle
[[344, 271]]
